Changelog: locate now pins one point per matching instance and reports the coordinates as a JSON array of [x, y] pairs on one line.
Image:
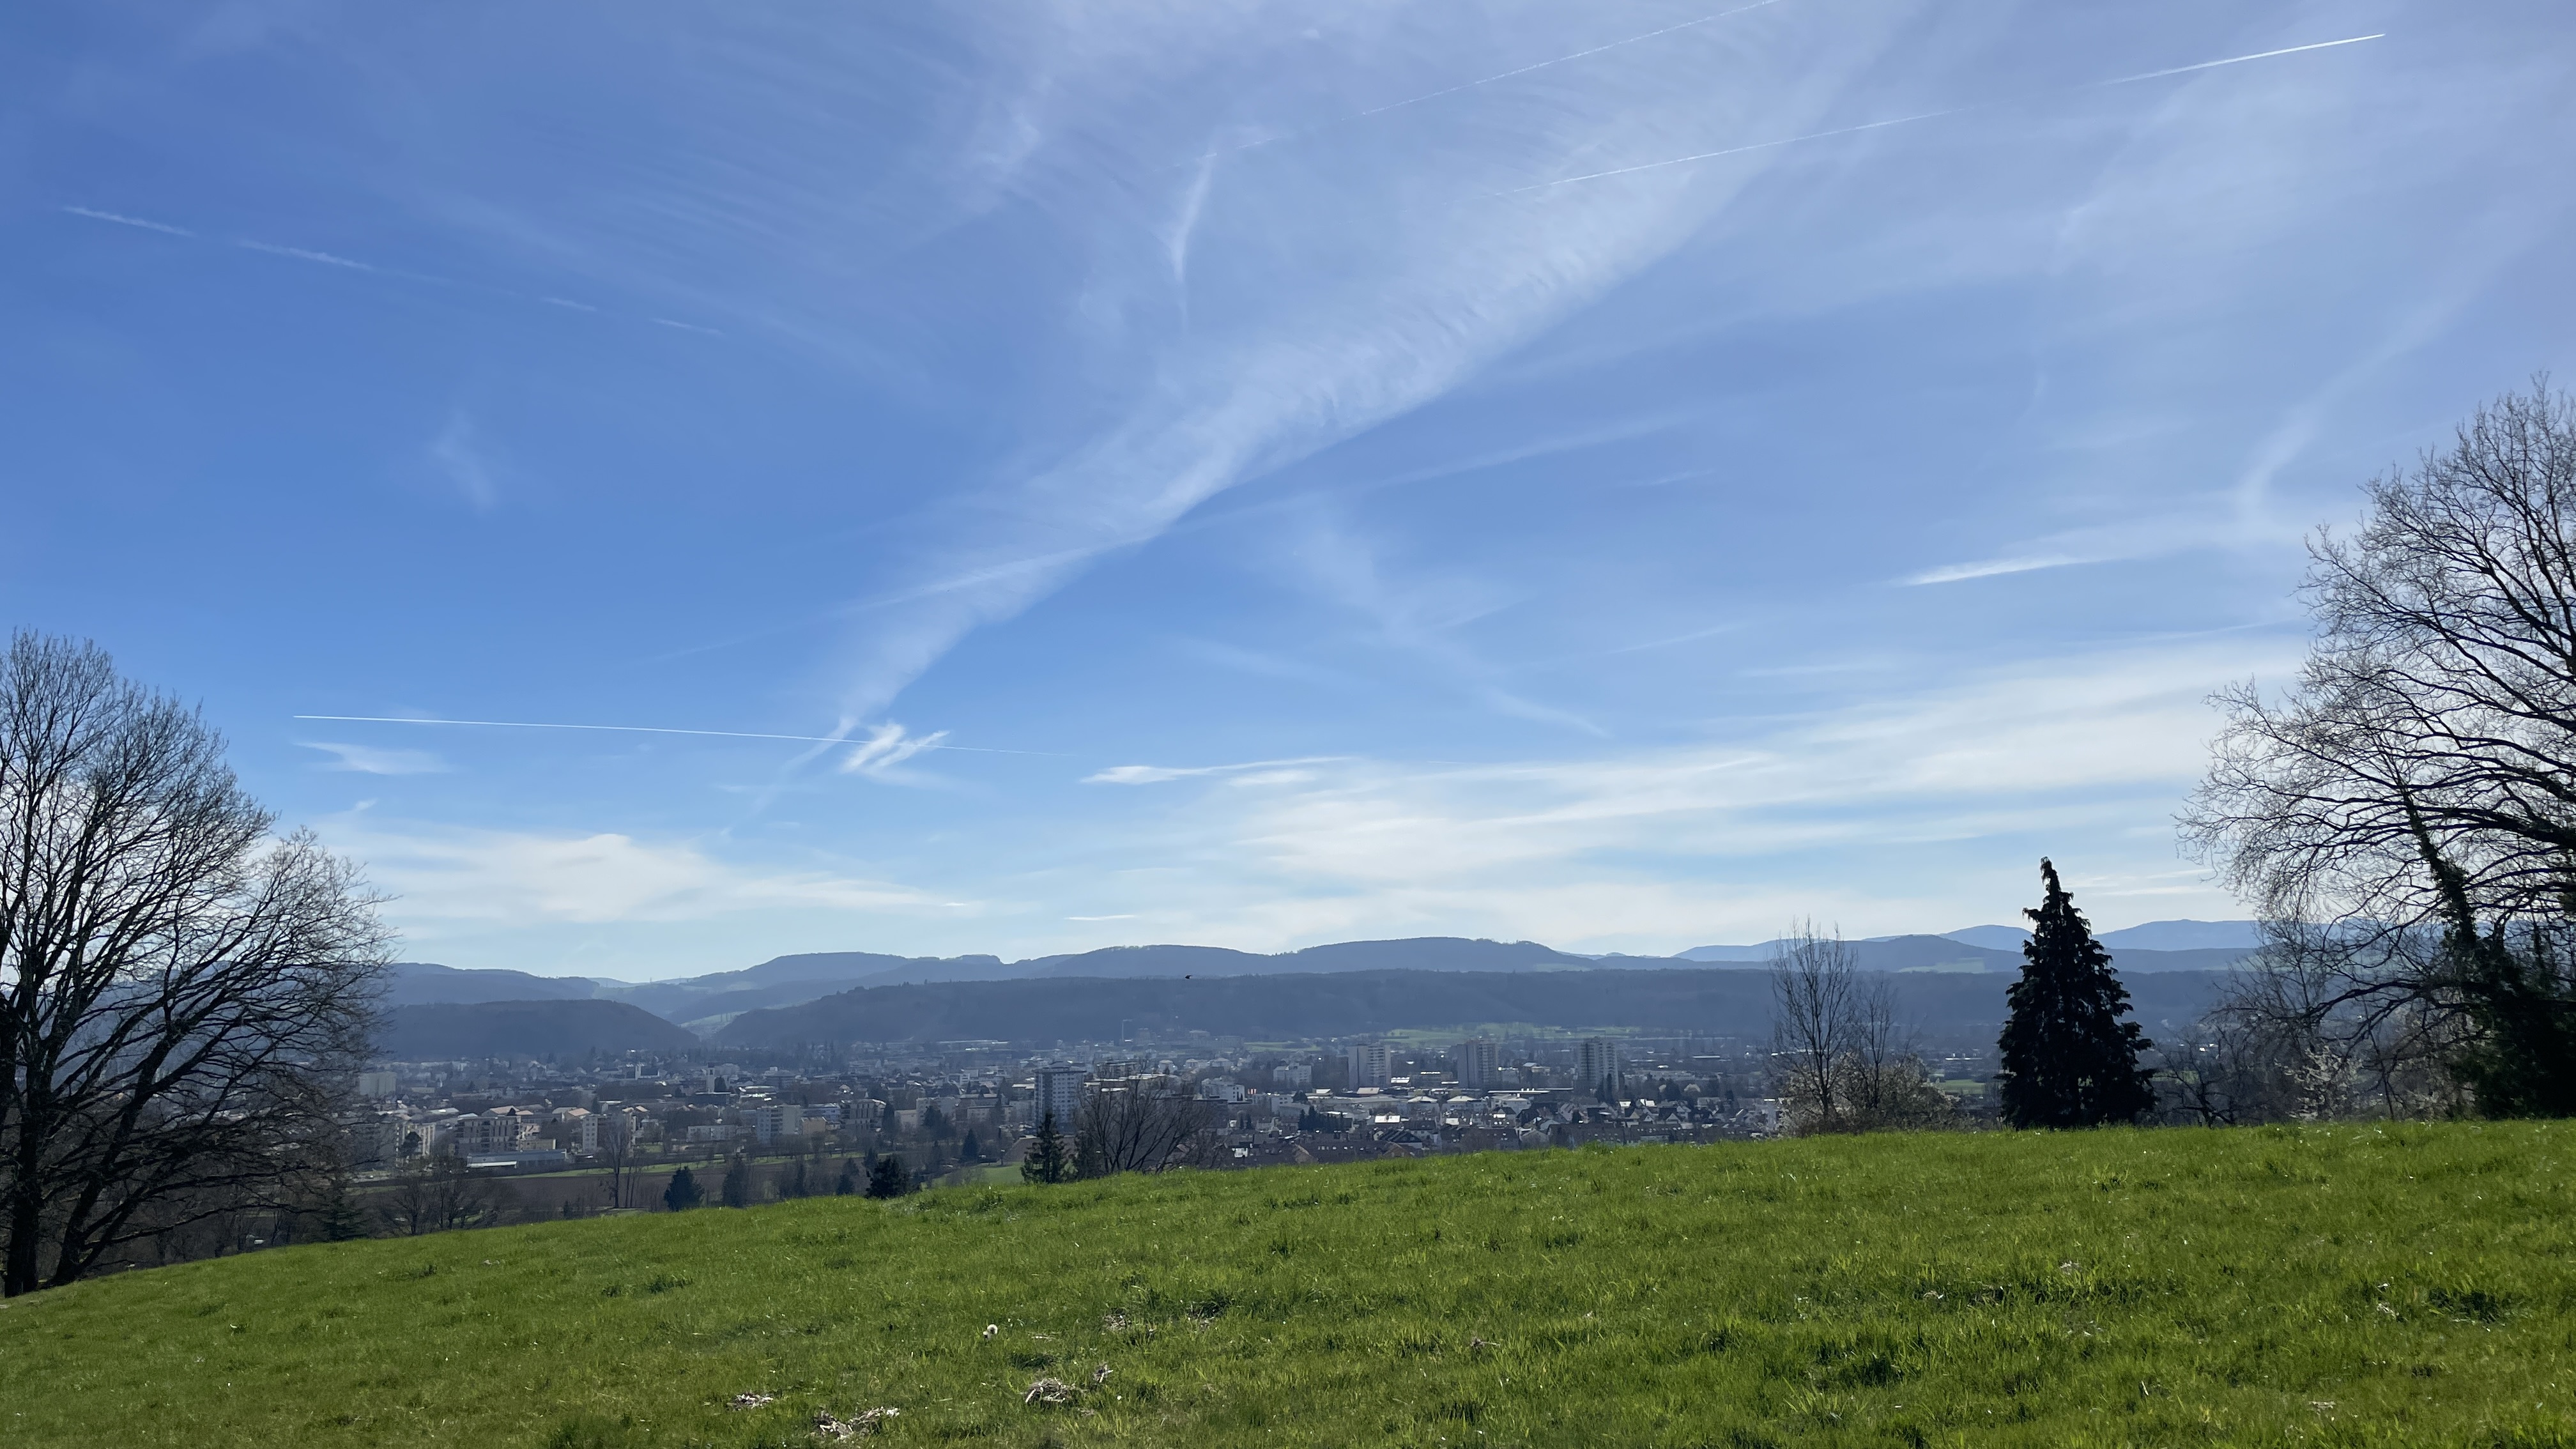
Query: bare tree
[[438, 1192], [2415, 793], [617, 1151], [1817, 1018], [181, 991], [1841, 1061], [1142, 1124], [2286, 1043]]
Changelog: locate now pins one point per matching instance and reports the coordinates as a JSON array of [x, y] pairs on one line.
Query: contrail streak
[[1929, 115], [521, 724], [330, 259], [123, 220], [2241, 59]]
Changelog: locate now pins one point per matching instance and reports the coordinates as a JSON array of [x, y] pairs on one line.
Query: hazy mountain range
[[1940, 1009], [437, 1010]]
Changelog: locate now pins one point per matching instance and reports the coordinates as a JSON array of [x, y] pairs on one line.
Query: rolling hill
[[423, 983], [2376, 1284], [524, 1029]]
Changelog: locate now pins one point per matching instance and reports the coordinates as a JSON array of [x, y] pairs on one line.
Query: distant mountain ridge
[[788, 980], [2239, 937], [1945, 1008], [708, 1004], [548, 1028]]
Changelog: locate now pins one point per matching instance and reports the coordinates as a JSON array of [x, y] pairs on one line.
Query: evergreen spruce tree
[[737, 1184], [1046, 1160], [2068, 1060], [684, 1192], [848, 1186], [888, 1179]]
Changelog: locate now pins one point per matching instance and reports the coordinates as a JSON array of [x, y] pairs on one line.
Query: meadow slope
[[2326, 1285]]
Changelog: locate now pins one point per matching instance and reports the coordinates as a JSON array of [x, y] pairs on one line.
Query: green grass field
[[2405, 1285]]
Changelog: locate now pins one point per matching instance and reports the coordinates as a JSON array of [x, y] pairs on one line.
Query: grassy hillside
[[2350, 1285]]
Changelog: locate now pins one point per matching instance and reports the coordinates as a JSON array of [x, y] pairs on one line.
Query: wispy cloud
[[1421, 615], [1750, 828], [1988, 568], [1157, 774], [442, 875], [1463, 87], [1334, 341], [1778, 143], [1569, 57], [887, 747], [371, 760], [883, 740], [461, 457]]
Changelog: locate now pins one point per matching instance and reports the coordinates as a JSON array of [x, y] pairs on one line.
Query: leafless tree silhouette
[[2405, 816], [1142, 1124], [181, 992]]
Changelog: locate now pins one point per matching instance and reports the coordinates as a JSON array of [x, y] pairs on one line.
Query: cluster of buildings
[[953, 1108]]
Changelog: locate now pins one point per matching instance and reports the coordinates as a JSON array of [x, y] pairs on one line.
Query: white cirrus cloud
[[373, 760], [1953, 790], [1158, 774], [521, 878], [1989, 568], [886, 747]]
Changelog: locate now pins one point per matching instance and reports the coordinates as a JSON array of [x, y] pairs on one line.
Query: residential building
[[485, 1134], [1478, 1064], [1597, 1067], [375, 1084], [1368, 1064], [1060, 1092], [774, 1120], [584, 1125]]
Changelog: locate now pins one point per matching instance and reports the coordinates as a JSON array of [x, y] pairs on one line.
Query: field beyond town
[[2363, 1285]]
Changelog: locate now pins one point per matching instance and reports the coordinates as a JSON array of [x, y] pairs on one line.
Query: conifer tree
[[683, 1192], [2068, 1060], [888, 1178], [1046, 1160], [736, 1189]]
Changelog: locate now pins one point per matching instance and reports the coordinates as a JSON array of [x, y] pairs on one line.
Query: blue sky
[[1250, 474]]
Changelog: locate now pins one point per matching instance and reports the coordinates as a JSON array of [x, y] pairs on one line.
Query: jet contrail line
[[373, 269], [1931, 115], [521, 724]]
